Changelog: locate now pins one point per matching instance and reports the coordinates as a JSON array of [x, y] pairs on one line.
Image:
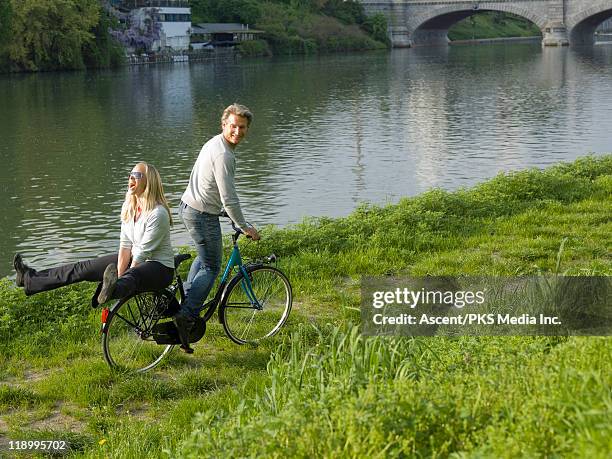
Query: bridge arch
[[432, 27], [583, 24]]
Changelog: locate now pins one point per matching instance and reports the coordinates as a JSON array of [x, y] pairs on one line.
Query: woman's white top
[[149, 237]]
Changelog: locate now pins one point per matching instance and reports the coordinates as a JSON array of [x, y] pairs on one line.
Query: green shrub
[[254, 48], [377, 26], [291, 31]]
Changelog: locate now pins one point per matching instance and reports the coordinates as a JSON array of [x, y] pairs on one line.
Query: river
[[329, 133]]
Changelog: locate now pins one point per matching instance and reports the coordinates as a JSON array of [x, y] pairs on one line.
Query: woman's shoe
[[109, 280], [21, 269]]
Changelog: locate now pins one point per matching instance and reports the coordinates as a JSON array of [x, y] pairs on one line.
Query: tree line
[[44, 35]]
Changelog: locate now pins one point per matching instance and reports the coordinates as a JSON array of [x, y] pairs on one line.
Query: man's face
[[235, 128]]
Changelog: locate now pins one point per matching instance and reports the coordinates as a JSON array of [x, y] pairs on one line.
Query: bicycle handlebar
[[236, 229]]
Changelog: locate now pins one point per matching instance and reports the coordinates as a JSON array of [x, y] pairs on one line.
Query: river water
[[329, 132]]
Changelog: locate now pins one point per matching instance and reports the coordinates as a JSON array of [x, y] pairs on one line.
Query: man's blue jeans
[[205, 231]]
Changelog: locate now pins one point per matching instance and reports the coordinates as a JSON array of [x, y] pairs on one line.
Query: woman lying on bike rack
[[145, 260]]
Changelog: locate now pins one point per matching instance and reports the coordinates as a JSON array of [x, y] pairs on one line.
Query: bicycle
[[254, 303]]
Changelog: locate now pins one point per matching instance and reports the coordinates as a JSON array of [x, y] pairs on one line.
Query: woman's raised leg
[[52, 278]]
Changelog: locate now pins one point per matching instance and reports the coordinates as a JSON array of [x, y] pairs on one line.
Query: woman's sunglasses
[[136, 175]]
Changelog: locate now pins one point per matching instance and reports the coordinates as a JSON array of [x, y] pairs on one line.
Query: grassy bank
[[322, 390], [303, 27], [493, 25], [298, 31]]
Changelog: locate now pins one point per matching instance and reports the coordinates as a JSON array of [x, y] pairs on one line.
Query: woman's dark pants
[[147, 276]]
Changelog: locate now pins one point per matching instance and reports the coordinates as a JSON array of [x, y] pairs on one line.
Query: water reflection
[[329, 132]]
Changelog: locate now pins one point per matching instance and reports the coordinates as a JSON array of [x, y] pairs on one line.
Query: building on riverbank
[[222, 34], [171, 17]]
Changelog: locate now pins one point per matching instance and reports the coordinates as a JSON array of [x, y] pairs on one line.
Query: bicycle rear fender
[[109, 312]]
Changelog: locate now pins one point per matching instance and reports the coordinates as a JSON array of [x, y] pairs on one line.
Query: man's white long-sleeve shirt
[[211, 184]]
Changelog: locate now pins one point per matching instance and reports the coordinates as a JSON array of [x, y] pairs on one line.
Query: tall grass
[[347, 396]]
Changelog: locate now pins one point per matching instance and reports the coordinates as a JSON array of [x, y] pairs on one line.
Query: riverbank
[[332, 26], [492, 24], [487, 41], [320, 389]]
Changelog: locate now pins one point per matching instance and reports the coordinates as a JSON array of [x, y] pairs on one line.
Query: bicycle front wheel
[[256, 309], [127, 338]]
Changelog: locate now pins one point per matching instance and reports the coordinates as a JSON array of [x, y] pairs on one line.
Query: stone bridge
[[426, 22]]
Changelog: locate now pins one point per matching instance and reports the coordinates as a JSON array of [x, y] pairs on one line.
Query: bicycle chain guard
[[166, 332]]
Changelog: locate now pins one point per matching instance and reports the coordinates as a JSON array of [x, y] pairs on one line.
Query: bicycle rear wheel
[[127, 339], [249, 321]]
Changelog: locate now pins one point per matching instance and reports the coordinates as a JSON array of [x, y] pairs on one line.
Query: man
[[210, 189]]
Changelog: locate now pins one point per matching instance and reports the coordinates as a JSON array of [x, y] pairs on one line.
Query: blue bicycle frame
[[236, 260]]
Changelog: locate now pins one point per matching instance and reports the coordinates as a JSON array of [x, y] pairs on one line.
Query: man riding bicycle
[[211, 188]]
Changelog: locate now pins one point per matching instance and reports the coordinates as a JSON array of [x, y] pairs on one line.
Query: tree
[[242, 11], [376, 26], [104, 50], [349, 12], [6, 14], [50, 34], [5, 20], [203, 11]]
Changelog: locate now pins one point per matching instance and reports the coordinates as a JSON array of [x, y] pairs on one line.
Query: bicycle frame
[[142, 314], [235, 260]]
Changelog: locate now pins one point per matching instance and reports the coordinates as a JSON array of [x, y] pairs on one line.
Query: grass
[[320, 389], [297, 31], [493, 25], [345, 396]]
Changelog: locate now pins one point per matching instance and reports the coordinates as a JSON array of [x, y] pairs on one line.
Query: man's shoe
[[21, 269], [184, 324], [186, 349], [109, 280]]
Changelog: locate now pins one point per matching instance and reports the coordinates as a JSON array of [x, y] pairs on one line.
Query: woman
[[145, 260]]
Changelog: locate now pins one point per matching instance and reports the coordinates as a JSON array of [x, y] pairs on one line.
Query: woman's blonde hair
[[152, 196]]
